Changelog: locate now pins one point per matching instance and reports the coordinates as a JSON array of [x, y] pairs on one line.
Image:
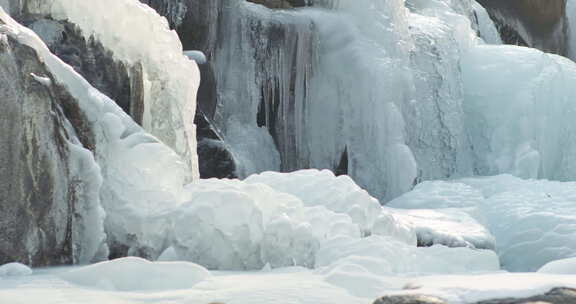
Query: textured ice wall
[[141, 37], [519, 110], [532, 221], [571, 19], [372, 90]]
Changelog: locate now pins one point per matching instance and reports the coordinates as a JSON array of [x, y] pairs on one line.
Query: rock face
[[45, 181], [121, 82], [409, 299], [535, 23], [559, 295], [146, 75]]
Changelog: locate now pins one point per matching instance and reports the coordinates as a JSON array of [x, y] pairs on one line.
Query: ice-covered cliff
[[134, 59], [81, 179], [377, 90]]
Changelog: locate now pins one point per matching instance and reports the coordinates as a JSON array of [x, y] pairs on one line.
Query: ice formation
[[336, 82], [321, 188], [170, 79], [236, 225], [449, 227], [136, 178], [532, 220]]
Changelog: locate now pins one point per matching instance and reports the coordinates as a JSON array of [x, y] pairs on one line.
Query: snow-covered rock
[[136, 274]]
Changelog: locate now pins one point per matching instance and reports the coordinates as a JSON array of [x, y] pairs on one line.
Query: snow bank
[[532, 221], [136, 274], [14, 270]]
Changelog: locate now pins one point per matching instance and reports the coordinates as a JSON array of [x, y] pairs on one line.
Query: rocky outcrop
[[554, 296], [535, 23], [121, 82], [281, 3], [560, 295], [409, 299], [48, 179]]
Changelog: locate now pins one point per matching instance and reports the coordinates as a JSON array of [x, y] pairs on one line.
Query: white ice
[[142, 38], [532, 221]]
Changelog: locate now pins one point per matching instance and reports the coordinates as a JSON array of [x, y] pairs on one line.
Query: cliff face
[[82, 181], [535, 23], [48, 179]]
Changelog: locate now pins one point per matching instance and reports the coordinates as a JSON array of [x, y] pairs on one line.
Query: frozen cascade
[[389, 94], [279, 86]]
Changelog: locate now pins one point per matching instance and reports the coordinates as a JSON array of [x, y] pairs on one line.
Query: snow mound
[[322, 188], [14, 270], [565, 266], [136, 274], [230, 224]]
